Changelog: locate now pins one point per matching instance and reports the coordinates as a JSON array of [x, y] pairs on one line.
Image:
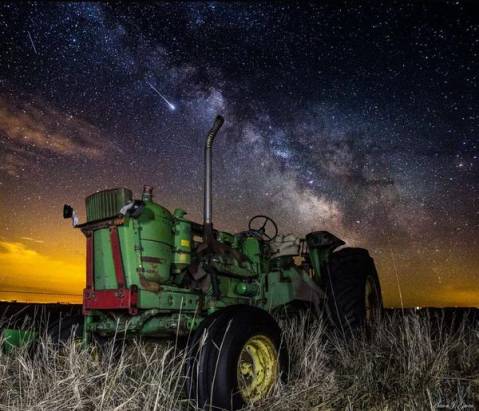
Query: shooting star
[[31, 41], [170, 105]]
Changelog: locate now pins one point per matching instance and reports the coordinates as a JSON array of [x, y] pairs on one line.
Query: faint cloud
[[39, 129], [33, 240]]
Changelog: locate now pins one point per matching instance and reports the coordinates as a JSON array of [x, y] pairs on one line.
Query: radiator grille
[[107, 203]]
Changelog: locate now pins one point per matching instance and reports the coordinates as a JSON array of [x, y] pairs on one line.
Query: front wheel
[[238, 358]]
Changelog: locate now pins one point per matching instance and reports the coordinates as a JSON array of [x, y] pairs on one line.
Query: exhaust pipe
[[207, 206]]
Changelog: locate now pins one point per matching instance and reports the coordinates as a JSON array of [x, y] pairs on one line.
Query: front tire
[[353, 292], [238, 359]]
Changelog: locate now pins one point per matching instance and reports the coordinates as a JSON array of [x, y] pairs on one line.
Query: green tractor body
[[149, 271]]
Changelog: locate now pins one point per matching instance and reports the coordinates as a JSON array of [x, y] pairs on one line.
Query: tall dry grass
[[409, 362]]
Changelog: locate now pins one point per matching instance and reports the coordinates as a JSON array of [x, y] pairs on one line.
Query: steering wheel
[[262, 231]]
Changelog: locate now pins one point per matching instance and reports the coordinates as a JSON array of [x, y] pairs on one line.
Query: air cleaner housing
[[107, 203]]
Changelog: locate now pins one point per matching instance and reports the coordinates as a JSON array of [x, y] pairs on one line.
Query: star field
[[352, 117]]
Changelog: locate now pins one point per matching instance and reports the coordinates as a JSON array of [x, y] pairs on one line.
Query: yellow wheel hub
[[258, 368]]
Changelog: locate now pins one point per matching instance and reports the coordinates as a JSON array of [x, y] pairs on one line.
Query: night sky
[[358, 119]]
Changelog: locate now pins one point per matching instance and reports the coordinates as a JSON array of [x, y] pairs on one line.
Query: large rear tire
[[353, 292], [238, 358]]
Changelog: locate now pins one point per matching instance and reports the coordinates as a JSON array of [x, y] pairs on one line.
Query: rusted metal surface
[[88, 228], [153, 260], [149, 285]]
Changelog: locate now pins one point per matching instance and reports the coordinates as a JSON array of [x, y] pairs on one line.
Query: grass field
[[411, 361]]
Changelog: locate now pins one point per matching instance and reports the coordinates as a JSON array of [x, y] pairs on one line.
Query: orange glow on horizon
[[29, 276]]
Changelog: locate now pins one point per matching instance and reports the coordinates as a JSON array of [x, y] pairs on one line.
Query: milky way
[[358, 119]]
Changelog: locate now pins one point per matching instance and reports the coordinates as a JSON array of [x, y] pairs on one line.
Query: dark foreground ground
[[425, 359]]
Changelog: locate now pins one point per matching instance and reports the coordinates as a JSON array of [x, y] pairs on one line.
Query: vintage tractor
[[153, 273]]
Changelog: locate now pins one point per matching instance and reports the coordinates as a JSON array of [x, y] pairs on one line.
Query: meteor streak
[[170, 105], [31, 41]]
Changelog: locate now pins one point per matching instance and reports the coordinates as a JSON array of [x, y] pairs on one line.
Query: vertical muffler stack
[[208, 207]]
